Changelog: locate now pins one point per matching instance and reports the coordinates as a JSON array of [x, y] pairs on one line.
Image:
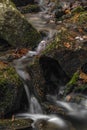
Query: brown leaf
[[3, 65], [67, 44], [80, 30], [20, 52], [83, 76], [67, 11]]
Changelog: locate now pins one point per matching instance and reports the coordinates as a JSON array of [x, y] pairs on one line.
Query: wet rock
[[22, 2], [77, 86], [11, 88], [59, 13], [15, 29]]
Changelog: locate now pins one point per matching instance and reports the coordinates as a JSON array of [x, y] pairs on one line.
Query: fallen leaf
[[3, 65], [20, 52], [83, 76], [80, 30], [67, 44], [67, 11]]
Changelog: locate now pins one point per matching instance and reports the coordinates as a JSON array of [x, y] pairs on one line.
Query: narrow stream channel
[[76, 115]]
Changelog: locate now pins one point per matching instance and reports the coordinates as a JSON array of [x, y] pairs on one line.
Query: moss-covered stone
[[15, 29], [72, 83], [76, 85], [73, 79], [10, 89]]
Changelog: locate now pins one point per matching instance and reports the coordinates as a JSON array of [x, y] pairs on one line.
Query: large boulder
[[14, 28], [11, 89]]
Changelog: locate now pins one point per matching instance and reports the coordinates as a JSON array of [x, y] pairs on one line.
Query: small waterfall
[[27, 93], [20, 65], [35, 106]]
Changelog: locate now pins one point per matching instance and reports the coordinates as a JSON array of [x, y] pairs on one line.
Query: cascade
[[34, 106], [35, 112]]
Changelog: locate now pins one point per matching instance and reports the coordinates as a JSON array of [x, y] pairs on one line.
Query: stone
[[15, 29], [11, 89]]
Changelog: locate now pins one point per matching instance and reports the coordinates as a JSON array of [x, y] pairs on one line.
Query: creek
[[76, 114]]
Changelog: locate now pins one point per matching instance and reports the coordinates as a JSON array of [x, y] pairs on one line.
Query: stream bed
[[75, 115]]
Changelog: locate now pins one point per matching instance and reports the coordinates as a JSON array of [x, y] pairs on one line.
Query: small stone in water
[[68, 98]]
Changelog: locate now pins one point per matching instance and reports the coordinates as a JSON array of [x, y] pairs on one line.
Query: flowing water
[[76, 114]]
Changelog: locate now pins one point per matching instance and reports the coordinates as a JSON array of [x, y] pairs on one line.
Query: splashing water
[[60, 123]]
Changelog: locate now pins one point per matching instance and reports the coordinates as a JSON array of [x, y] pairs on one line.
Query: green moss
[[71, 84], [82, 17], [73, 79], [60, 38], [78, 10], [9, 74]]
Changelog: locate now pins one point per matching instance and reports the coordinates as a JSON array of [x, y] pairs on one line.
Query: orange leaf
[[67, 11], [67, 44], [20, 52], [3, 64], [80, 30], [83, 76]]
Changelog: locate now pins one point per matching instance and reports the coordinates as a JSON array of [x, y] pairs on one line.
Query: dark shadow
[[4, 45], [22, 2], [53, 73]]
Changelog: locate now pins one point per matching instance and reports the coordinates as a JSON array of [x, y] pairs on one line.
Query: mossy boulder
[[77, 84], [15, 29], [10, 89]]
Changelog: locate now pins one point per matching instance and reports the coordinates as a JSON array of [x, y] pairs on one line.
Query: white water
[[20, 65], [60, 123], [35, 106]]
